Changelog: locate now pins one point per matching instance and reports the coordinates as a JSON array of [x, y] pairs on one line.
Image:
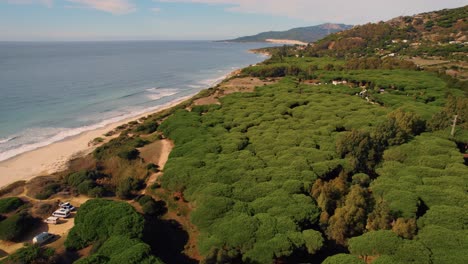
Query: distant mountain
[[303, 34]]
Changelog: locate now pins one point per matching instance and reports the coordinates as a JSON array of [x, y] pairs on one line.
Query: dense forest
[[293, 170], [344, 155]]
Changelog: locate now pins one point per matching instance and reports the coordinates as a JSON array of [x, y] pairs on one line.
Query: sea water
[[53, 90]]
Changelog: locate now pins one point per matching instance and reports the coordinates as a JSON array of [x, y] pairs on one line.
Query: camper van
[[52, 220], [61, 213], [42, 238]]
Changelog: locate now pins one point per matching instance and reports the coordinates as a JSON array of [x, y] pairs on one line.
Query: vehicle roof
[[62, 211], [42, 234]]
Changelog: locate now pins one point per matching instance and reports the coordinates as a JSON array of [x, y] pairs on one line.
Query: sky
[[81, 20]]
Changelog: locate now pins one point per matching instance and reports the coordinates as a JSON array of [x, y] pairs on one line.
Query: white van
[[52, 220], [61, 213], [42, 238]]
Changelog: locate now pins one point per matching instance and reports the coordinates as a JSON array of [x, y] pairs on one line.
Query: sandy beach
[[54, 157], [287, 42]]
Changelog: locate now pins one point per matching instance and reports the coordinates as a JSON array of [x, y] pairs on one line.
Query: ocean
[[53, 90]]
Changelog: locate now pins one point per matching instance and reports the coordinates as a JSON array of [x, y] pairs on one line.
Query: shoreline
[[55, 157]]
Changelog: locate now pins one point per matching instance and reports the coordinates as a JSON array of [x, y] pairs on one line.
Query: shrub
[[76, 178], [10, 204], [48, 191], [343, 259], [152, 167], [15, 226], [129, 154], [31, 254], [99, 219], [151, 206], [127, 186], [96, 192], [85, 187], [93, 259], [147, 127]]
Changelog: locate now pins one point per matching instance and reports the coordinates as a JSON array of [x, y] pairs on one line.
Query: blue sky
[[43, 20]]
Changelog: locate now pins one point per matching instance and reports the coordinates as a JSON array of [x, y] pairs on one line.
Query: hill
[[303, 34], [436, 40]]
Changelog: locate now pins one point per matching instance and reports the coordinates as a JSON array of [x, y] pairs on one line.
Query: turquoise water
[[50, 91]]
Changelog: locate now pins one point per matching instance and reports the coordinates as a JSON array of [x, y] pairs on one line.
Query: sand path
[[166, 148]]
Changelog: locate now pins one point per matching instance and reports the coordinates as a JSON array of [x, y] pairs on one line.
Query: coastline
[[287, 42], [55, 157]]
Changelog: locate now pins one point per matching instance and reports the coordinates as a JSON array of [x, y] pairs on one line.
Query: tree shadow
[[329, 248], [67, 257], [167, 239]]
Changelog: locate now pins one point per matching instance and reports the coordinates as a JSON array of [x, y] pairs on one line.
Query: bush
[[85, 187], [76, 178], [48, 191], [15, 226], [152, 167], [127, 186], [114, 224], [151, 206], [10, 204], [147, 127], [99, 219], [93, 259], [343, 259], [96, 192], [129, 154], [31, 254]]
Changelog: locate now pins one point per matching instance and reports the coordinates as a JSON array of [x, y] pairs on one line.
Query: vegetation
[[305, 34], [8, 205], [48, 191], [151, 206], [85, 182], [116, 226], [347, 158], [287, 143], [31, 254], [15, 226]]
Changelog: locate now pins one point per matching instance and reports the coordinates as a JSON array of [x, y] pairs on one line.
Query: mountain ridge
[[302, 34]]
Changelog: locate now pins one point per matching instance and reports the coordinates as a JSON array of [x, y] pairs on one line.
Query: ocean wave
[[5, 140], [35, 138], [131, 94], [207, 83], [195, 86], [158, 93]]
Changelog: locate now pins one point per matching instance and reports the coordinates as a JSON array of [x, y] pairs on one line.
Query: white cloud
[[47, 3], [346, 11], [116, 7]]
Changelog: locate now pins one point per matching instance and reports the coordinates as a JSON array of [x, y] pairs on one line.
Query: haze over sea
[[51, 91]]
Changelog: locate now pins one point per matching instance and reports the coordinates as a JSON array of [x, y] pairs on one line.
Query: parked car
[[67, 205], [42, 238], [52, 220], [61, 213]]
